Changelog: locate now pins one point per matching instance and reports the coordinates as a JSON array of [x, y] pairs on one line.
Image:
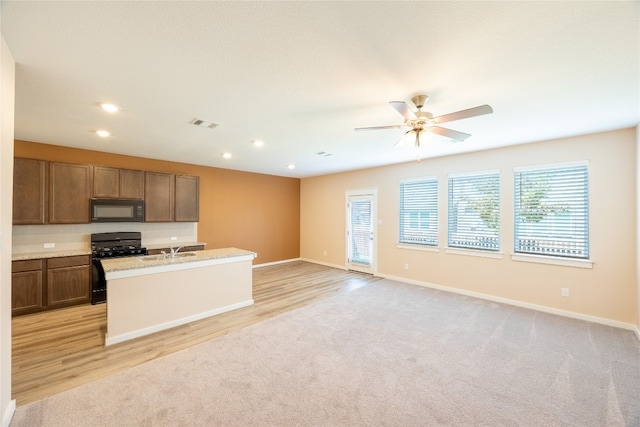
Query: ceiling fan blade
[[382, 127], [449, 133], [464, 114], [402, 108]]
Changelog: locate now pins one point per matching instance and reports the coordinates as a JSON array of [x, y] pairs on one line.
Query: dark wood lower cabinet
[[26, 286], [68, 281], [45, 284]]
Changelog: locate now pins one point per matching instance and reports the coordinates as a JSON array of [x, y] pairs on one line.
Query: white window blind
[[552, 211], [474, 211], [419, 211]]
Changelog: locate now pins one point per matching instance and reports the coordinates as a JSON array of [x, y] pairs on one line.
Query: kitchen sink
[[166, 257], [183, 254]]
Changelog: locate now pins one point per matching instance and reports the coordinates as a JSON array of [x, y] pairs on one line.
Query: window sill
[[544, 259], [423, 248], [473, 252]]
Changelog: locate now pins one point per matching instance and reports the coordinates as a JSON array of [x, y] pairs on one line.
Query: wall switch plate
[[49, 245], [406, 266], [565, 292], [174, 238]]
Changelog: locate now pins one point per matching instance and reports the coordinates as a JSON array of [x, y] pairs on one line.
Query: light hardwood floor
[[58, 350]]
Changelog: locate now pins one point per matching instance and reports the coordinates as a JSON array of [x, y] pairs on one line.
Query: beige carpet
[[387, 354]]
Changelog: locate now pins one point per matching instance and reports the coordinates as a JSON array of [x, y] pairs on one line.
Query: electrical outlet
[[565, 292], [49, 245], [174, 238], [325, 253], [406, 266]]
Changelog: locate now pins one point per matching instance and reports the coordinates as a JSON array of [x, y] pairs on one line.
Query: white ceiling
[[302, 75]]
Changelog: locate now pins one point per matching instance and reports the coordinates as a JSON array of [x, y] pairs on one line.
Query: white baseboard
[[7, 415], [174, 323], [284, 261], [565, 313], [313, 261]]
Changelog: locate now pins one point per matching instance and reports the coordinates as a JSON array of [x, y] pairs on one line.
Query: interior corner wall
[[607, 291], [7, 91]]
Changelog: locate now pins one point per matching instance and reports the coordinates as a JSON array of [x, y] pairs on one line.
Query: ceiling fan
[[423, 121]]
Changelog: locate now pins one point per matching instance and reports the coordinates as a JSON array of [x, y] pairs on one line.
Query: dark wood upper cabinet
[[29, 191], [131, 184], [69, 193], [114, 183], [158, 197], [60, 193], [106, 182], [187, 198]]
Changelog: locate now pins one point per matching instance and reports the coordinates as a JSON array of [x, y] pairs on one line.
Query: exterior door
[[360, 232]]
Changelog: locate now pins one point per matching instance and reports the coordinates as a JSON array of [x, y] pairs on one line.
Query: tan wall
[[606, 291], [250, 211]]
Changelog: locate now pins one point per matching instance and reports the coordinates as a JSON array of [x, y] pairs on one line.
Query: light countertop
[[111, 265], [49, 254]]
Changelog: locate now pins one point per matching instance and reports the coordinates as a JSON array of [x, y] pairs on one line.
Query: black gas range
[[111, 245]]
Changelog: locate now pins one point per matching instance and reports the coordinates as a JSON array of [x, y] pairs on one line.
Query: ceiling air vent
[[204, 123], [324, 154]]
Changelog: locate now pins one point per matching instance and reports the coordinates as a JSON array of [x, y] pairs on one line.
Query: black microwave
[[117, 210]]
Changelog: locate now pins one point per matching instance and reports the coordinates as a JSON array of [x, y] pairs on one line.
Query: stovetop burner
[[126, 243]]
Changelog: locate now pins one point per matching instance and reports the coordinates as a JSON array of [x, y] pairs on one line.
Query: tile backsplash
[[32, 238]]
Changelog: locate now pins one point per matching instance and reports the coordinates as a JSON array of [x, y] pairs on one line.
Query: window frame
[[548, 257], [480, 250], [432, 205]]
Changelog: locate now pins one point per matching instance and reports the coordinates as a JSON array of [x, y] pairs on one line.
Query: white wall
[[7, 91], [606, 292]]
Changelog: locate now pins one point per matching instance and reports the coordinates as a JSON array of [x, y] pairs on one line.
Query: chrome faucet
[[175, 251]]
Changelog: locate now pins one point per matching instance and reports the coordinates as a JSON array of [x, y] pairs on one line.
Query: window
[[419, 211], [474, 211], [552, 210]]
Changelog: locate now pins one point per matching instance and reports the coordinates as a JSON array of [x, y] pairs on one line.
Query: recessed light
[[103, 133], [291, 166], [258, 143], [226, 155], [110, 108]]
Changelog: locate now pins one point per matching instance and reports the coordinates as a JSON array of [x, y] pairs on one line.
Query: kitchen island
[[151, 293]]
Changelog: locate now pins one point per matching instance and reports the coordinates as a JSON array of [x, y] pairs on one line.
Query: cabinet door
[[106, 182], [68, 281], [69, 190], [186, 198], [158, 197], [26, 286], [28, 191], [131, 184]]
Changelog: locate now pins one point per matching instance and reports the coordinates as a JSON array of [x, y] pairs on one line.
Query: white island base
[[151, 296]]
